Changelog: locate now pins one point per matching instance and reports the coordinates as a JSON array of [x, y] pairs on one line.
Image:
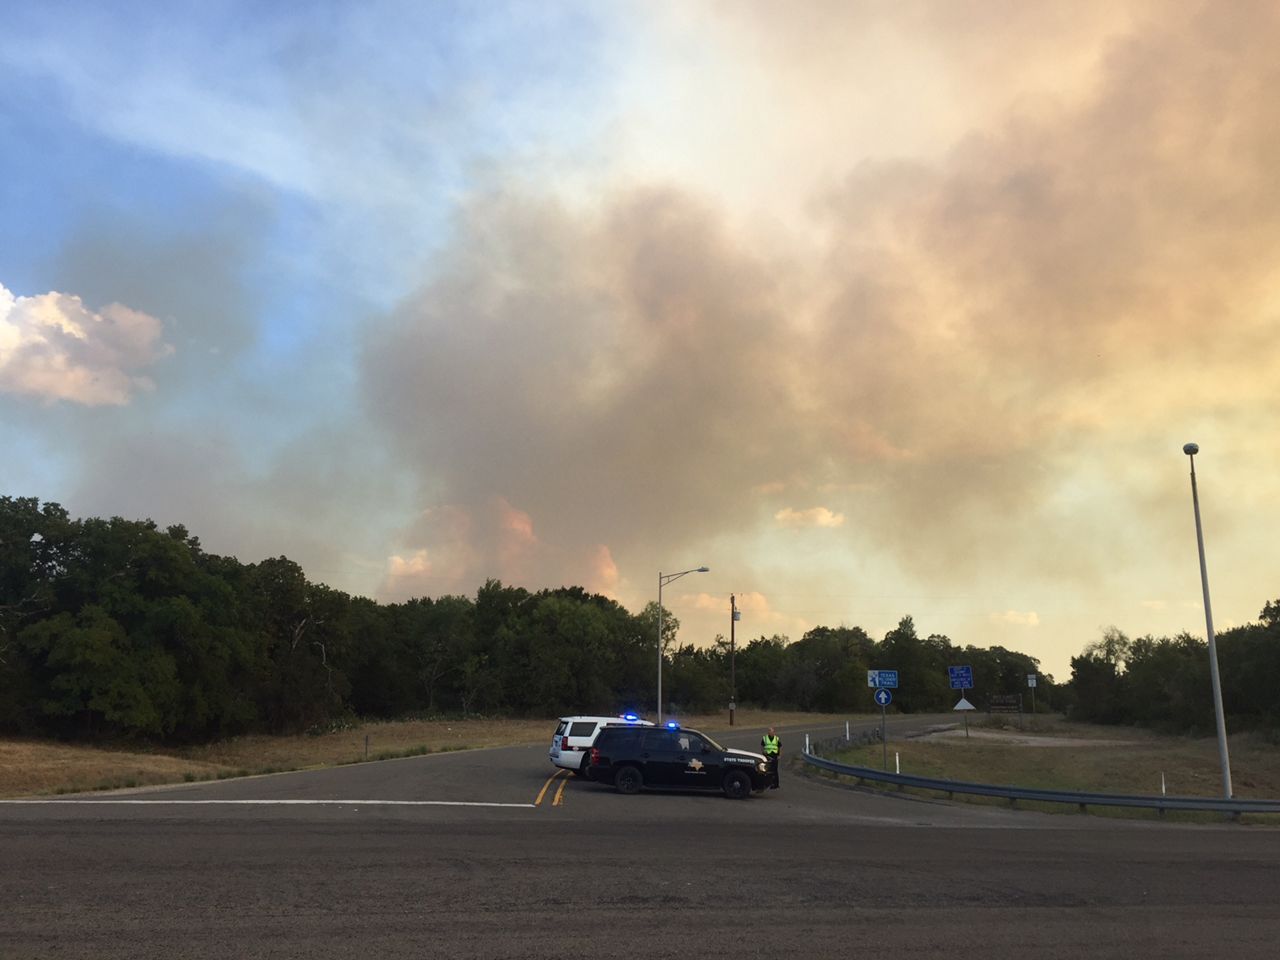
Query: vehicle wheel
[[736, 785], [628, 780]]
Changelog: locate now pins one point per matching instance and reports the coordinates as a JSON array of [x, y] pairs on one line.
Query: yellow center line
[[559, 792], [543, 792]]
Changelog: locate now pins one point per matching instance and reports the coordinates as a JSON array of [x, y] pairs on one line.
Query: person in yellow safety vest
[[771, 747]]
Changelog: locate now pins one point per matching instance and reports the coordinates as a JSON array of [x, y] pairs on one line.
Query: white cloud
[[1028, 619], [55, 348], [603, 577], [407, 575], [813, 517]]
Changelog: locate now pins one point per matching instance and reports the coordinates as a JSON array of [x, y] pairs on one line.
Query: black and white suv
[[672, 758], [575, 735]]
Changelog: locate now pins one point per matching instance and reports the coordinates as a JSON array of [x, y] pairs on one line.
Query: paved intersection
[[485, 854]]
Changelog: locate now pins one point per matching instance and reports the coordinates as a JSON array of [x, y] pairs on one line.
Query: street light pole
[[1191, 449], [663, 580], [733, 674]]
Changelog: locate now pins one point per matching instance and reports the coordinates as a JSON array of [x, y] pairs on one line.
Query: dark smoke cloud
[[611, 377], [641, 376]]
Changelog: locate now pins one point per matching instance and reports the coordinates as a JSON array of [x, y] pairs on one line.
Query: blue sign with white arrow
[[884, 697]]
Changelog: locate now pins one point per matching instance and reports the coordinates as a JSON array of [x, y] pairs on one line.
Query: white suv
[[574, 736]]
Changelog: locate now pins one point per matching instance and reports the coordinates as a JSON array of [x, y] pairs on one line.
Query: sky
[[874, 308]]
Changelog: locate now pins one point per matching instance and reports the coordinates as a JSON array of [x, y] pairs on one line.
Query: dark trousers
[[774, 761]]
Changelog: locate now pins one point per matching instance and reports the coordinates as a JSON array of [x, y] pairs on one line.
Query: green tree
[[96, 677], [1096, 679], [760, 671], [298, 626], [1165, 682]]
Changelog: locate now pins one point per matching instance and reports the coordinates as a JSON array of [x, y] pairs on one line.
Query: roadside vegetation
[[115, 629], [37, 767], [116, 632], [1051, 754]]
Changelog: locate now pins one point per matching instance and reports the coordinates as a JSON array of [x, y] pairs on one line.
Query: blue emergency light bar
[[630, 717], [672, 725]]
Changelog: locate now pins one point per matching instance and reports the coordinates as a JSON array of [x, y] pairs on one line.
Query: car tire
[[736, 785], [628, 780]]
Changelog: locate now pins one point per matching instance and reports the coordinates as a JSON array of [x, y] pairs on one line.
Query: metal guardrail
[[1013, 794]]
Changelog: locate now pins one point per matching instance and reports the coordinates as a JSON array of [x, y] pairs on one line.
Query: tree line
[[117, 628], [1164, 683], [114, 628]]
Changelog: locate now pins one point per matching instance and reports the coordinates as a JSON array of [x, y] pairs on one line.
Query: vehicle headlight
[[762, 766]]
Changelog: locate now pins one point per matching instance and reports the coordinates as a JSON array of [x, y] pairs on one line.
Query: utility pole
[[733, 676]]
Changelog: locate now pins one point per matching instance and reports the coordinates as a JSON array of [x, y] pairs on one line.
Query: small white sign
[[1031, 679], [964, 705]]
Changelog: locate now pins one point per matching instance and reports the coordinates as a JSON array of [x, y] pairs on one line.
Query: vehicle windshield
[[714, 745]]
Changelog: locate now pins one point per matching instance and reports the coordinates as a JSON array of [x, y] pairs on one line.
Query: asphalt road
[[486, 854]]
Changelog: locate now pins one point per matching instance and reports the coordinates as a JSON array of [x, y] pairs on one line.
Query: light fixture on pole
[[1191, 449], [663, 580]]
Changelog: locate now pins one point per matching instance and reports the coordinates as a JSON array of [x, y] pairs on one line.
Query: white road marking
[[268, 803]]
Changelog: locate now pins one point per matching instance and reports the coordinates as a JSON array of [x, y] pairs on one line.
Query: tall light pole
[[1191, 449], [734, 616], [663, 580]]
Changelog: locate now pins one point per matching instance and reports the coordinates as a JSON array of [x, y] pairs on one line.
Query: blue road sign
[[882, 678], [961, 678], [884, 697]]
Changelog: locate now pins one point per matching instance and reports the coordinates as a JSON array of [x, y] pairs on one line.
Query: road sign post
[[964, 706], [962, 680], [882, 681], [1031, 682], [884, 698]]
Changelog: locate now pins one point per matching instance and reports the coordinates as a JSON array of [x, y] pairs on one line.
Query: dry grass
[[38, 767], [1095, 759], [33, 767]]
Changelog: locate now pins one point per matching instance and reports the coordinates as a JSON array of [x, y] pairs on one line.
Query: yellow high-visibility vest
[[771, 745]]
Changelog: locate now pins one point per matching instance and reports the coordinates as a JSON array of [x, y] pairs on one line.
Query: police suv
[[575, 735], [673, 758]]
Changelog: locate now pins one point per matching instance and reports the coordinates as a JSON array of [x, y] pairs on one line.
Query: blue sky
[[875, 309]]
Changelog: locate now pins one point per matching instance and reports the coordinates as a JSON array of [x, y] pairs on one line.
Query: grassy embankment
[[44, 768], [1049, 753]]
